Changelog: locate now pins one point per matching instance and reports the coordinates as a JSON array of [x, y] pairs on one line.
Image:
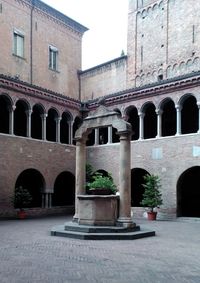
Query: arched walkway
[[64, 190], [137, 190], [20, 119], [188, 193], [5, 105], [36, 122], [33, 181]]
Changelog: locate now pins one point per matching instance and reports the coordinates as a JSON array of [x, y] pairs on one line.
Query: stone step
[[73, 226], [60, 231]]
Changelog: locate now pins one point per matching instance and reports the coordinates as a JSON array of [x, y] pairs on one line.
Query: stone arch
[[65, 127], [188, 196], [133, 118], [51, 124], [150, 120], [36, 121], [34, 182], [5, 109], [64, 189], [189, 114], [137, 190], [168, 112], [21, 117]]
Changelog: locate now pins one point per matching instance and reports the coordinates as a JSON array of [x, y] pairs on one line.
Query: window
[[53, 58], [18, 44]]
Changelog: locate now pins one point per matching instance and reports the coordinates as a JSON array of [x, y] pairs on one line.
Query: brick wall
[[175, 156], [163, 40], [104, 79], [19, 154]]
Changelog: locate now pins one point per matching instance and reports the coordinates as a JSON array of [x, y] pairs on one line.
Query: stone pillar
[[44, 118], [28, 123], [58, 119], [80, 172], [11, 119], [70, 131], [159, 123], [141, 133], [96, 136], [178, 120], [125, 181], [110, 134]]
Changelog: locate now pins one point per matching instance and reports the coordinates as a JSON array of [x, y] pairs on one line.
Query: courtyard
[[29, 254]]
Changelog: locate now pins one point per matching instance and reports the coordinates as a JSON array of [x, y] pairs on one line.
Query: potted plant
[[22, 199], [152, 197], [101, 185]]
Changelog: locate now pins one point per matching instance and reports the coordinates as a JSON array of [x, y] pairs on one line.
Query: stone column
[[11, 119], [44, 118], [125, 181], [80, 172], [70, 131], [141, 133], [96, 136], [110, 134], [178, 120], [159, 123], [28, 123], [58, 119]]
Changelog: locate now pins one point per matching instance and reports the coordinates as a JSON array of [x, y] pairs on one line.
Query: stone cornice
[[162, 87], [54, 14], [12, 84]]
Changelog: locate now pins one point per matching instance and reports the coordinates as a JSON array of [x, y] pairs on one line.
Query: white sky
[[107, 23]]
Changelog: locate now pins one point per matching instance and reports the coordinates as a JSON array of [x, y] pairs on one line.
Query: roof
[[58, 15]]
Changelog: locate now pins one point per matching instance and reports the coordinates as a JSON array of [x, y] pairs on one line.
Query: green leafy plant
[[152, 196], [22, 198], [102, 182]]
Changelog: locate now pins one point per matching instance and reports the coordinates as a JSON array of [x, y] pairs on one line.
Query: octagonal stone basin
[[101, 210]]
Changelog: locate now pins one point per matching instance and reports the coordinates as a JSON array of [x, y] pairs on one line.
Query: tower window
[[53, 58]]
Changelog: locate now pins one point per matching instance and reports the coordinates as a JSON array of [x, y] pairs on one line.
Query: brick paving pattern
[[28, 254]]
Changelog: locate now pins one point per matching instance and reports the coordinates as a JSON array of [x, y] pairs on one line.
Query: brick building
[[43, 95]]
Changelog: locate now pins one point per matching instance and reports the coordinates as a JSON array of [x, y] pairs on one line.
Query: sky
[[107, 24]]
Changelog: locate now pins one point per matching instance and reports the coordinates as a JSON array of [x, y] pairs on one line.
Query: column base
[[125, 222]]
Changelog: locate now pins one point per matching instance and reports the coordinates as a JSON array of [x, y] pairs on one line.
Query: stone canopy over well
[[102, 117]]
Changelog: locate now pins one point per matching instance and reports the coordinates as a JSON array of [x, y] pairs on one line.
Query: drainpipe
[[31, 41]]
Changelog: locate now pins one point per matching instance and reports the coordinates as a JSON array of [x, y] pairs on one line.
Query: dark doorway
[[150, 121], [65, 124], [4, 114], [168, 119], [20, 119], [33, 181], [137, 190], [64, 190], [51, 125], [133, 119], [189, 116], [188, 193], [36, 122]]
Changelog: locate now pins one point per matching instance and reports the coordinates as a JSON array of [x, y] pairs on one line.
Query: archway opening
[[137, 190], [189, 116], [4, 114], [20, 119], [150, 122], [168, 119], [36, 122], [64, 190], [65, 124], [33, 181], [188, 193], [133, 119], [51, 125]]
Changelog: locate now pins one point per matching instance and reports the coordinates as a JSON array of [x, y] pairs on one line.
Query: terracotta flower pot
[[151, 215], [21, 214]]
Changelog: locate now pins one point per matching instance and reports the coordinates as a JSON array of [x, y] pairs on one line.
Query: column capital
[[178, 107], [159, 111], [43, 116], [28, 112], [141, 114]]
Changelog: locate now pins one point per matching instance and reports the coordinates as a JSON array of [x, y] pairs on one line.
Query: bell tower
[[163, 40]]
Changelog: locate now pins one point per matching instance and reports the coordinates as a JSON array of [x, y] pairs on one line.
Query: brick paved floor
[[28, 254]]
